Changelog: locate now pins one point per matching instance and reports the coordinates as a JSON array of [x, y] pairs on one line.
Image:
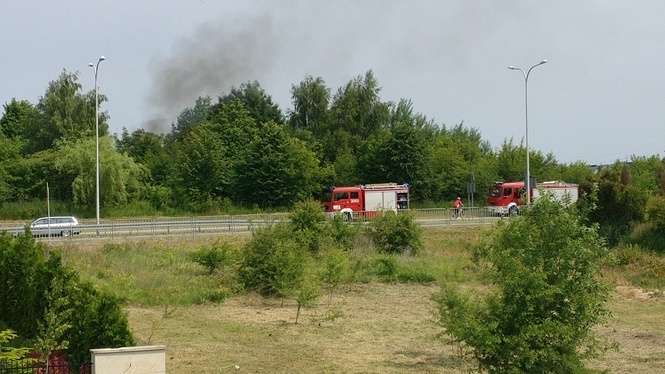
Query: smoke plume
[[215, 58]]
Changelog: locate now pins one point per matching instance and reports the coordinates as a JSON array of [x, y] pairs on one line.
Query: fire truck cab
[[368, 198]]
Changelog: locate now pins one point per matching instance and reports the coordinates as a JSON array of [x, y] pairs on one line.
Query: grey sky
[[600, 98]]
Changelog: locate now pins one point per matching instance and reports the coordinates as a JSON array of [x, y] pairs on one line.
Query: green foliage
[[544, 299], [69, 312], [385, 267], [64, 113], [8, 353], [640, 267], [334, 270], [273, 262], [306, 291], [121, 178], [243, 151], [342, 232], [257, 101], [278, 170], [56, 326], [213, 257], [310, 100], [655, 210], [396, 233], [619, 204], [306, 221]]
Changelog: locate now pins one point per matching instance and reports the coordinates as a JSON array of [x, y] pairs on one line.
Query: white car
[[55, 226]]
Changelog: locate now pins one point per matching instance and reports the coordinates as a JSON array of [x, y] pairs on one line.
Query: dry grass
[[378, 328], [369, 328], [374, 328]]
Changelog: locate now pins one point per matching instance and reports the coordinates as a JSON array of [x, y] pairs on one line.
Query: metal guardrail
[[193, 226]]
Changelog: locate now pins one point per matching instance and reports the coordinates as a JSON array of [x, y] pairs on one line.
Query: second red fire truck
[[367, 199]]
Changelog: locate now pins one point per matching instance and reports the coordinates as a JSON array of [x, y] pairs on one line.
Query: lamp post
[[526, 120], [96, 67]]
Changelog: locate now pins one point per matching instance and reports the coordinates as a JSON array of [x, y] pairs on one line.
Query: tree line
[[241, 149]]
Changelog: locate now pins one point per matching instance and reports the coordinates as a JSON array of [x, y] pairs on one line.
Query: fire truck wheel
[[347, 216]]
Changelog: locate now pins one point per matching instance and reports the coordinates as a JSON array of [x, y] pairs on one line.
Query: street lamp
[[526, 119], [96, 67]]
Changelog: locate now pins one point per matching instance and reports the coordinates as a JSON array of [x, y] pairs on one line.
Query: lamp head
[[102, 58], [511, 67], [543, 62], [91, 64]]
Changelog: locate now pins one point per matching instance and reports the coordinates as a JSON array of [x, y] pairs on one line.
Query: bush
[[342, 232], [306, 221], [545, 298], [335, 267], [28, 280], [396, 233], [272, 261], [656, 212], [213, 257], [385, 268]]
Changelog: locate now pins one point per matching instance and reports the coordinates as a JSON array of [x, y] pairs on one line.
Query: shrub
[[342, 232], [335, 267], [213, 257], [306, 291], [38, 291], [656, 212], [9, 354], [396, 233], [306, 221], [545, 298], [272, 261], [385, 268]]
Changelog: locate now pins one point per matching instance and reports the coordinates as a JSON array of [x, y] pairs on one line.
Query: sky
[[599, 98]]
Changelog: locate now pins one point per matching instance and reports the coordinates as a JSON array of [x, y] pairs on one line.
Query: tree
[[307, 291], [619, 204], [399, 154], [335, 267], [121, 179], [55, 326], [356, 113], [256, 101], [204, 172], [545, 296], [17, 119], [310, 100], [64, 112], [193, 116], [278, 170]]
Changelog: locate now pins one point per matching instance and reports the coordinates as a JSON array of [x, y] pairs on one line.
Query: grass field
[[371, 325]]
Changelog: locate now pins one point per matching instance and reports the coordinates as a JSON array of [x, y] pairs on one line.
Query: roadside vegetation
[[242, 153]]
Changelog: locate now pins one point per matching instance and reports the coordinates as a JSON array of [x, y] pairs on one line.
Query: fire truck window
[[341, 196], [507, 191], [354, 195]]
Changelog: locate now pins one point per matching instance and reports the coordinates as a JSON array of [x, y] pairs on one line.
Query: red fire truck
[[507, 197], [367, 198]]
